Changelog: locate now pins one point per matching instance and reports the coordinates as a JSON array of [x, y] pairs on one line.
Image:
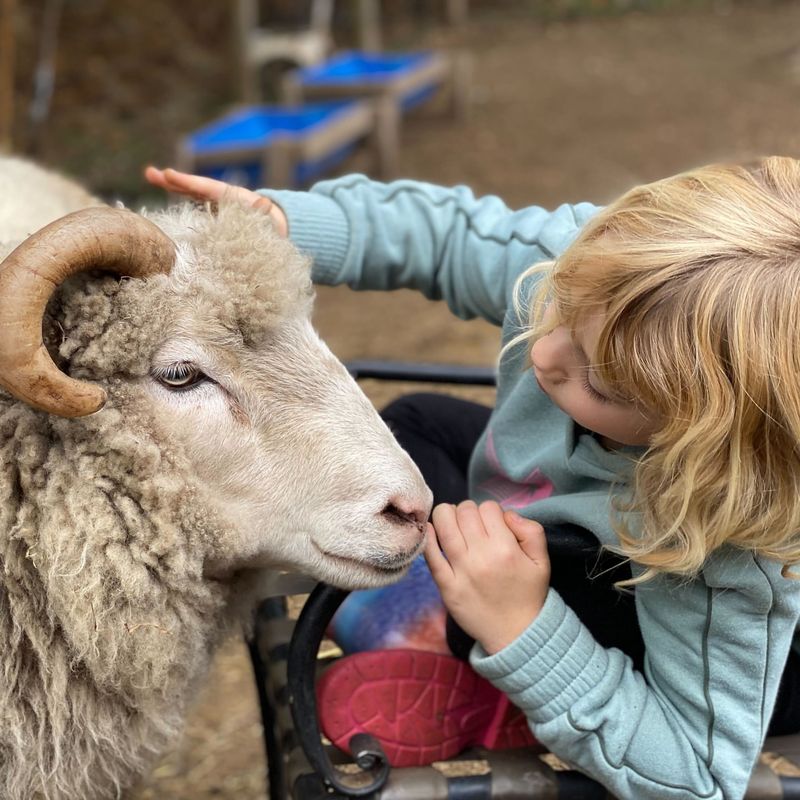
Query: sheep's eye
[[180, 376]]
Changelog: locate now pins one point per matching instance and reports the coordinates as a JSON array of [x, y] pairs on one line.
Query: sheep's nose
[[401, 511]]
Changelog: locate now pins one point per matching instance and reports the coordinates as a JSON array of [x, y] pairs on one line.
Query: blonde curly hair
[[698, 276]]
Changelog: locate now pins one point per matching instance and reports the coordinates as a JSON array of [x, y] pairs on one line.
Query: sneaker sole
[[421, 706]]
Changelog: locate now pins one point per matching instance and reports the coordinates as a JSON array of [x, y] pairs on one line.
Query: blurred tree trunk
[[45, 76], [7, 8]]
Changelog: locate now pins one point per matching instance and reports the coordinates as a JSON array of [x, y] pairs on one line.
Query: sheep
[[32, 197], [192, 430]]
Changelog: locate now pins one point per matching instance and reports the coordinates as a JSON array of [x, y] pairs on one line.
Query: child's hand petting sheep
[[493, 569], [204, 189]]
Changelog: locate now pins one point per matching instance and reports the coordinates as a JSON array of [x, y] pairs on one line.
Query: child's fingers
[[448, 532], [167, 178], [198, 186], [470, 522], [156, 177], [438, 565], [493, 518], [204, 189], [529, 534], [263, 203], [498, 527]]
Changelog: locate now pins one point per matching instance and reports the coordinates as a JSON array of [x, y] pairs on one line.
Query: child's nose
[[547, 355]]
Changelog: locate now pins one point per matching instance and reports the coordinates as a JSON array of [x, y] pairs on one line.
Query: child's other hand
[[494, 571], [198, 187]]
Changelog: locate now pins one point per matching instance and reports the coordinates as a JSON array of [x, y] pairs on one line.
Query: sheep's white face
[[290, 450], [295, 456]]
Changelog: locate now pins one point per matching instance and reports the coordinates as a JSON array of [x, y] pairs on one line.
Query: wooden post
[[457, 12], [245, 24], [386, 135], [369, 25], [278, 164], [291, 91], [7, 54], [322, 17]]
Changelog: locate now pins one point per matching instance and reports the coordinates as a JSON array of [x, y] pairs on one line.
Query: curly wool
[[107, 621]]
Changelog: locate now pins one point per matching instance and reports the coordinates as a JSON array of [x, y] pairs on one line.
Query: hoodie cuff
[[318, 227], [550, 666]]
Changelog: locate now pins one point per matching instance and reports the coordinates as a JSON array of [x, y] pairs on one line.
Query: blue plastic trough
[[412, 76], [277, 145], [393, 82]]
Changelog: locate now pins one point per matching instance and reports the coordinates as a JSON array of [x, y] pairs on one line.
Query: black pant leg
[[786, 716]]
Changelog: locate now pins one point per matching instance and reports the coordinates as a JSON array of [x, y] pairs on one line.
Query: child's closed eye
[[592, 392]]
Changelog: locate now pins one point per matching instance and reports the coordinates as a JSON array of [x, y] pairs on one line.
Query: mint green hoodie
[[692, 723]]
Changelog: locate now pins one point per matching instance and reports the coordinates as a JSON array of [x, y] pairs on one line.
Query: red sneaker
[[421, 706]]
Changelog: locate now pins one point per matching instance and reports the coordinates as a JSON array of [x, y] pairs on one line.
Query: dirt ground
[[560, 112]]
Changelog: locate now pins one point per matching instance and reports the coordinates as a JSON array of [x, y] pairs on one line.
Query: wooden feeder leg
[[291, 90], [184, 157], [278, 165], [386, 136]]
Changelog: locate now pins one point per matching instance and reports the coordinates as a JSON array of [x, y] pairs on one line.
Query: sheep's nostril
[[396, 515]]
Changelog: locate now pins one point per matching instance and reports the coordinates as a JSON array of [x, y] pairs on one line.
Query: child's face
[[562, 363]]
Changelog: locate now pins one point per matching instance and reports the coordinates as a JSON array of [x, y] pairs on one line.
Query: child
[[649, 391]]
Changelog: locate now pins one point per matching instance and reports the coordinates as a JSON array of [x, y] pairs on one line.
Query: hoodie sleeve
[[691, 725], [441, 241]]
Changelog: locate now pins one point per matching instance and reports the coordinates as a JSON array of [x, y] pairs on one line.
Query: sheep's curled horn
[[95, 238]]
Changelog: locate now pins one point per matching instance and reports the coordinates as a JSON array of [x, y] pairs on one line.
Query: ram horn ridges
[[95, 238]]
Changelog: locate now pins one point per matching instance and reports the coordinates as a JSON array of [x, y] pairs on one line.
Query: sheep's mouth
[[395, 565]]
